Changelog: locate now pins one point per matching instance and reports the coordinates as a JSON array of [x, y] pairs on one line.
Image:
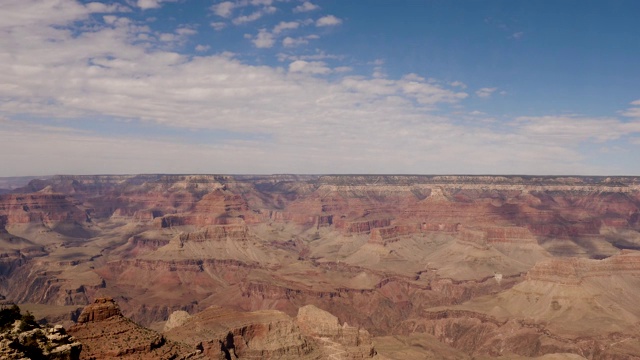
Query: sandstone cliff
[[227, 334], [580, 306], [106, 334], [339, 342], [375, 251]]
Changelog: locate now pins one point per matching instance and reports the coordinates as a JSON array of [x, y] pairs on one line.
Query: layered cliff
[[338, 341], [375, 251], [581, 306], [39, 208], [223, 333]]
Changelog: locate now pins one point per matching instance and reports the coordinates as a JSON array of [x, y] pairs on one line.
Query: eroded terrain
[[416, 266]]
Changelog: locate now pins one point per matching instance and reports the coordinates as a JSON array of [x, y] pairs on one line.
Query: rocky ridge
[[581, 306], [22, 338], [268, 334], [375, 251], [106, 334], [226, 334], [339, 342]]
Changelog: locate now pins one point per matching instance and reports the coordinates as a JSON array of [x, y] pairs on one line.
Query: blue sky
[[294, 86]]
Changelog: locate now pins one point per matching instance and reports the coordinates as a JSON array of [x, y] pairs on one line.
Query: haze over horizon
[[319, 87]]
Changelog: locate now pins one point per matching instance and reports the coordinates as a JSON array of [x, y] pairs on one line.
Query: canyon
[[328, 266]]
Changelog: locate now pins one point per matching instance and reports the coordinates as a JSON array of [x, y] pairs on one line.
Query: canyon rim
[[332, 266]]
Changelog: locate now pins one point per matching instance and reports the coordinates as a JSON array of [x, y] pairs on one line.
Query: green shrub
[[8, 315], [29, 319]]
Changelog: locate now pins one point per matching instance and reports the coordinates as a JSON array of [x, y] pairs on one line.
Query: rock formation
[[177, 318], [268, 334], [227, 334], [100, 310], [21, 337], [377, 252], [344, 342], [106, 334], [581, 306]]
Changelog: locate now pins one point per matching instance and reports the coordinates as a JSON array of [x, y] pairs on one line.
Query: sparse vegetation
[[8, 315], [28, 339]]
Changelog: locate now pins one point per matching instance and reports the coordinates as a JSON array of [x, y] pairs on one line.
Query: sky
[[541, 87]]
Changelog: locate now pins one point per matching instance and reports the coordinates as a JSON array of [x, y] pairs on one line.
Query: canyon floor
[[328, 267]]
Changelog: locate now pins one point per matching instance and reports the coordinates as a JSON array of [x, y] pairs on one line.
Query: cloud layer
[[310, 115]]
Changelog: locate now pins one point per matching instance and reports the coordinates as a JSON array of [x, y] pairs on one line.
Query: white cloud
[[413, 77], [309, 67], [305, 7], [49, 12], [77, 153], [202, 48], [302, 40], [319, 55], [517, 35], [426, 94], [224, 9], [575, 128], [632, 112], [264, 39], [248, 18], [167, 37], [254, 15], [291, 42], [459, 84], [373, 124], [186, 31], [97, 7], [148, 4], [110, 19], [485, 92], [328, 20], [218, 25], [285, 25]]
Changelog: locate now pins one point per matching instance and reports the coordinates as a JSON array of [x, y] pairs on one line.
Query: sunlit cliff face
[[394, 255]]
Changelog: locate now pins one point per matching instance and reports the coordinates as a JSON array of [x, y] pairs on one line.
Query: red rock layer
[[223, 333], [38, 208], [101, 309], [480, 334], [106, 334], [572, 271]]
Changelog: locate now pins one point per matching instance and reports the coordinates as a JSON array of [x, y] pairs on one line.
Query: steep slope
[[581, 306], [223, 333], [106, 334], [375, 251]]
